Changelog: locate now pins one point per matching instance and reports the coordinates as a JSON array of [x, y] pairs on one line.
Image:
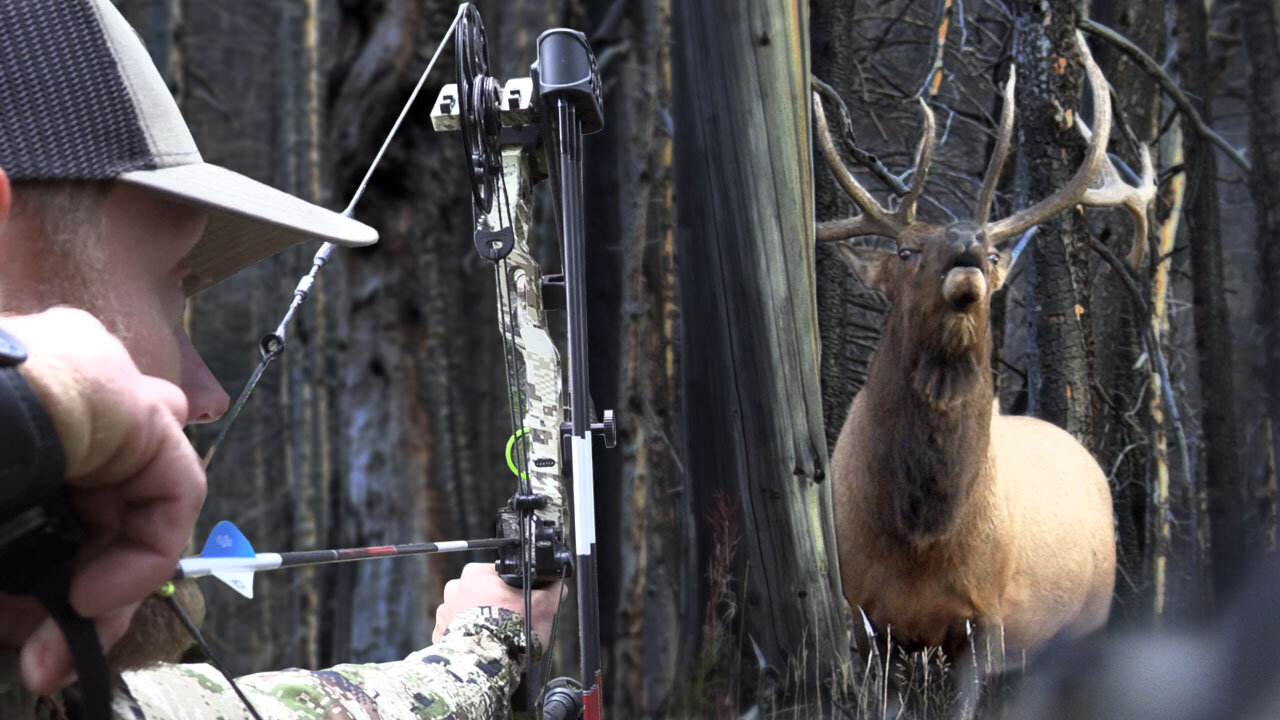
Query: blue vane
[[226, 540]]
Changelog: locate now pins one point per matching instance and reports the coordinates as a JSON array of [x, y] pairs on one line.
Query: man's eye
[[906, 254]]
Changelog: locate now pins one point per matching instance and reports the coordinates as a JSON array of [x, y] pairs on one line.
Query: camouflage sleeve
[[469, 674]]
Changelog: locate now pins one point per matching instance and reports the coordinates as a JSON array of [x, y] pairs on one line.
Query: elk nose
[[967, 254]]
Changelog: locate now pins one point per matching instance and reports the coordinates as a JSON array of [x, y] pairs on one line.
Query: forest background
[[385, 418]]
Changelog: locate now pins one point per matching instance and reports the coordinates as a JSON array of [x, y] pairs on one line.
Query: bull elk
[[948, 512]]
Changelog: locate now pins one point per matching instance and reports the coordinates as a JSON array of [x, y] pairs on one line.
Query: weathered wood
[[753, 415]]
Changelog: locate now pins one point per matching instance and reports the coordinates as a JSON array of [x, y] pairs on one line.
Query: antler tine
[[924, 156], [1003, 140], [1002, 231], [1115, 192], [875, 219]]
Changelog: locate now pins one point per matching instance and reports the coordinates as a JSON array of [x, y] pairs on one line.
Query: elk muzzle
[[964, 285]]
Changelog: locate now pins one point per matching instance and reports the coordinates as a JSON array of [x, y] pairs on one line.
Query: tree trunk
[[1223, 481], [1260, 24], [641, 486], [849, 315], [1123, 378], [757, 464], [1050, 80]]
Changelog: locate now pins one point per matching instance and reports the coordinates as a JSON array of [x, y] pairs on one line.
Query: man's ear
[[6, 196], [1001, 269], [873, 267]]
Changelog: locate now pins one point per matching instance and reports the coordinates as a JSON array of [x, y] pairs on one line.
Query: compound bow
[[513, 134]]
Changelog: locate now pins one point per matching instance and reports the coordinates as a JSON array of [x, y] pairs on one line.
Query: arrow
[[228, 556]]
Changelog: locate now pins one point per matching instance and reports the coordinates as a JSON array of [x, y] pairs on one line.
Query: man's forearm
[[469, 674]]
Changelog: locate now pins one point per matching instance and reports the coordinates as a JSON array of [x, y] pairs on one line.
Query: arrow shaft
[[201, 566]]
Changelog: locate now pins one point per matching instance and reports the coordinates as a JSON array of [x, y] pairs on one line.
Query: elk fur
[[949, 512]]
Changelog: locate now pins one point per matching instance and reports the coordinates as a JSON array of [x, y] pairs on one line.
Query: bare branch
[[860, 156], [1167, 84], [873, 214]]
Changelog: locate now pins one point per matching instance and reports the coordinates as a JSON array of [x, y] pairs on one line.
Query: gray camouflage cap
[[80, 99]]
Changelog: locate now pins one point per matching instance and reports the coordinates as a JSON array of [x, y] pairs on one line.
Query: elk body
[[947, 512]]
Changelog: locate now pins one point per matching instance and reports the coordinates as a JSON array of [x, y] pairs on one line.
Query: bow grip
[[551, 559]]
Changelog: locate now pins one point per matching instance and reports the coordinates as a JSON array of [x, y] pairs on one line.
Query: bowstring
[[272, 344], [516, 405]]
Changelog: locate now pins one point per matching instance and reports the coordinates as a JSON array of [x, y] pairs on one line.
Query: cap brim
[[248, 220]]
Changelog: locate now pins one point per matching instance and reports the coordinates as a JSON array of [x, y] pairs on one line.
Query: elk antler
[[875, 218], [1115, 192], [1003, 140], [1077, 188]]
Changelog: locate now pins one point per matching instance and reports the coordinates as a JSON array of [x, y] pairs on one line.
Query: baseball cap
[[80, 99]]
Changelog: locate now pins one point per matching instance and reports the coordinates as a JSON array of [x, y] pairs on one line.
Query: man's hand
[[136, 482], [481, 586]]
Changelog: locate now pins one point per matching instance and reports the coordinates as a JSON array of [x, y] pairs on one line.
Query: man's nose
[[206, 400]]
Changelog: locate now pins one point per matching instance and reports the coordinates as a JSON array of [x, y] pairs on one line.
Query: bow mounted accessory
[[80, 99]]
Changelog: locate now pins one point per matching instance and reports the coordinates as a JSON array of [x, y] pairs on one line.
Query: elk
[[947, 512]]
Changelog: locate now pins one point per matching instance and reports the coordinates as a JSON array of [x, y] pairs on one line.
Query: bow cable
[[273, 343]]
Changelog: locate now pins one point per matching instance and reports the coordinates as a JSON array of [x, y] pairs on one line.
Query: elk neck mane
[[929, 388]]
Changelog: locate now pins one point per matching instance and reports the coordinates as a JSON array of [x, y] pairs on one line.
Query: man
[[107, 206]]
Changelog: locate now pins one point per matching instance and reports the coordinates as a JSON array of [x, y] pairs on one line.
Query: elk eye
[[994, 258], [905, 254]]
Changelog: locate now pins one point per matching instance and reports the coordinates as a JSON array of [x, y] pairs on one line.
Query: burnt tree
[[1059, 343]]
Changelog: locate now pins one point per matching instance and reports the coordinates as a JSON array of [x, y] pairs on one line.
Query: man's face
[[146, 239]]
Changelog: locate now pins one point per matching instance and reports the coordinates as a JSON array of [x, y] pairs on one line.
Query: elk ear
[[872, 266], [1001, 269]]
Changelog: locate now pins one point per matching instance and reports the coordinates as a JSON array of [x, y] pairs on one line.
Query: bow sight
[[514, 135]]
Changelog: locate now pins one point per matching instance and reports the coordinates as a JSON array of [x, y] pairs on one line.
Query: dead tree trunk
[[1125, 421], [757, 456], [1050, 78], [1224, 480], [1260, 24]]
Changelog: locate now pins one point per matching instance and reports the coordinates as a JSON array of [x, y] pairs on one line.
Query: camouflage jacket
[[469, 674]]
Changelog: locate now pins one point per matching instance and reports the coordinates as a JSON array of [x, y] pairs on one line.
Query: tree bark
[[1125, 420], [1223, 481], [849, 315], [1050, 80], [1260, 25], [641, 485], [758, 459]]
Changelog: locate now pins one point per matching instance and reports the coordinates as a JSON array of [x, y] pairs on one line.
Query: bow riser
[[536, 359]]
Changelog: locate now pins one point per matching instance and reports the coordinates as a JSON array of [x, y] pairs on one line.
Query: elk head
[[941, 277]]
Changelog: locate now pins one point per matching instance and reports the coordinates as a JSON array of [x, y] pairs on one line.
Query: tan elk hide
[[949, 515]]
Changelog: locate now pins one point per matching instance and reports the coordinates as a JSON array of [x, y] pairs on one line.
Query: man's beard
[[156, 635]]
